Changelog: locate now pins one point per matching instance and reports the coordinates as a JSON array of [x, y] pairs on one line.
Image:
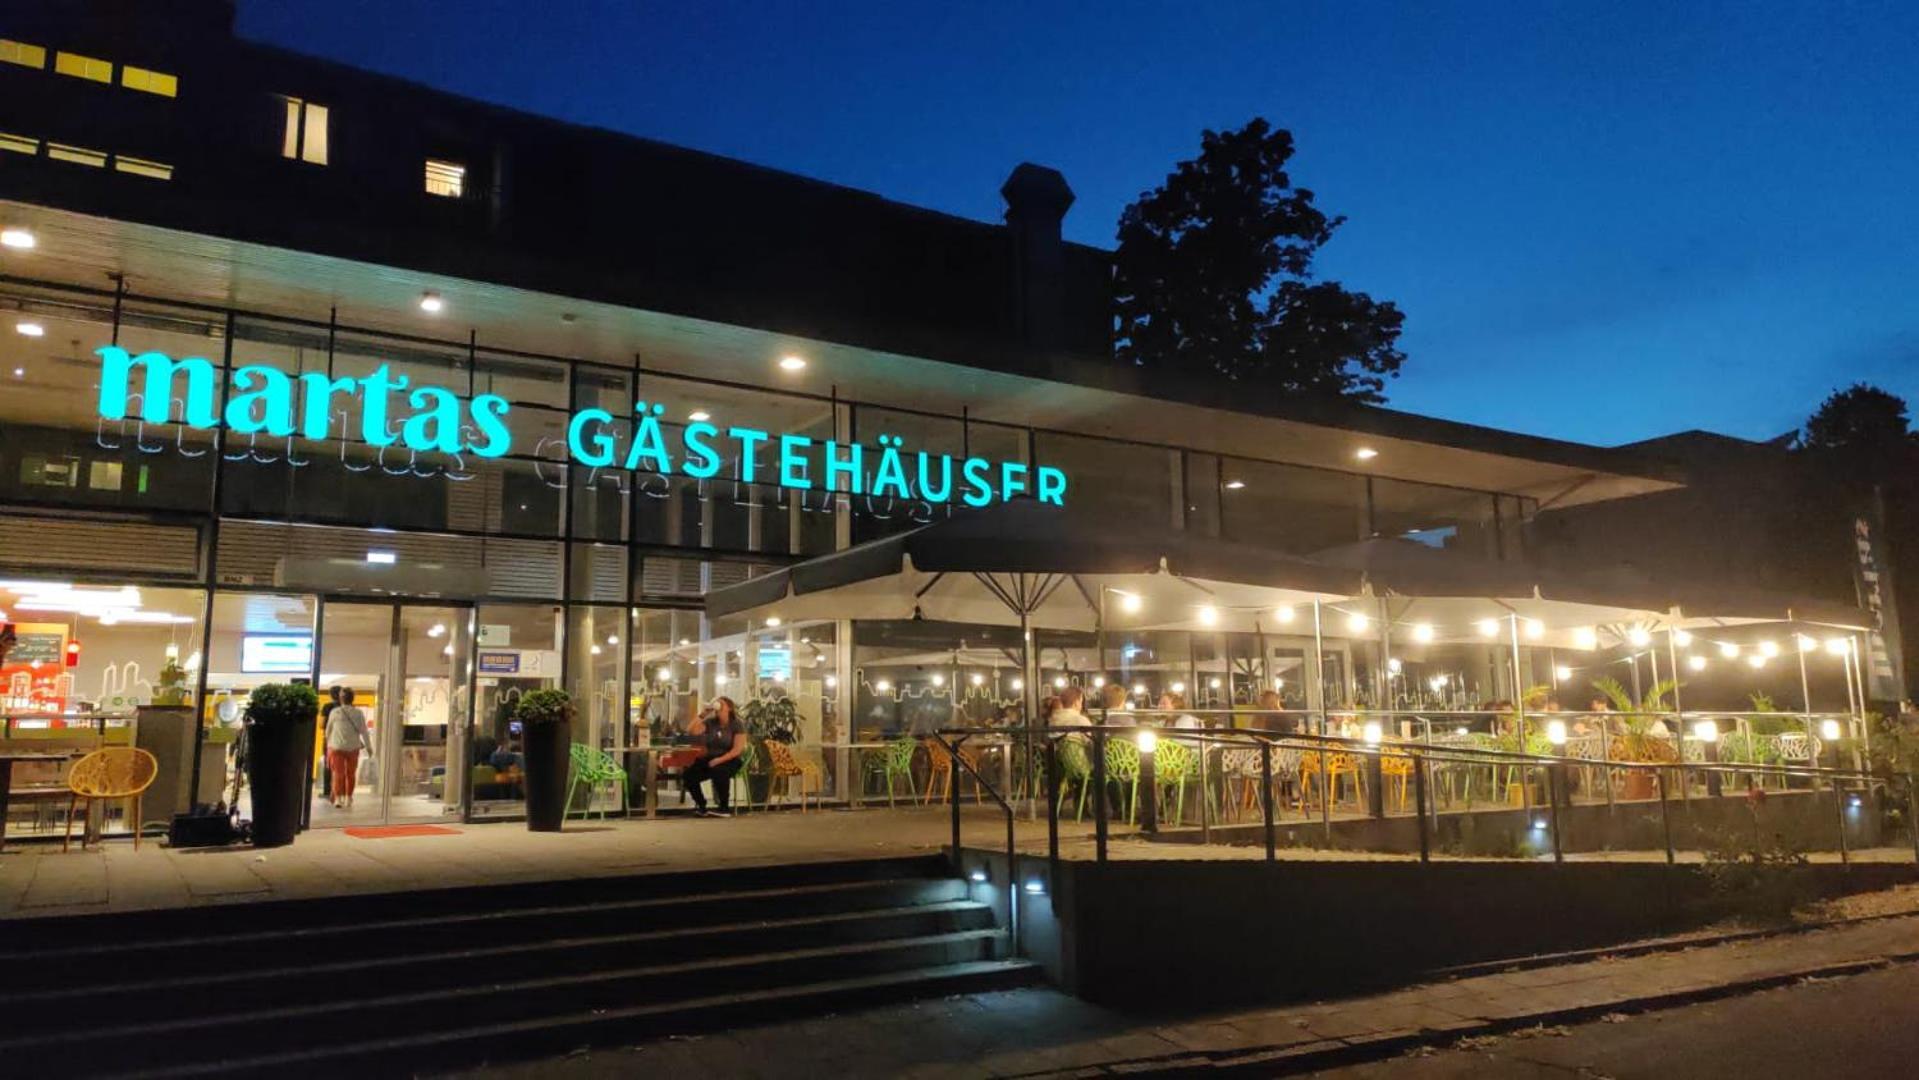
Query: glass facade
[[193, 565]]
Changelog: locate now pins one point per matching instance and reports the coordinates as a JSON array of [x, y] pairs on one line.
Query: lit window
[[19, 52], [305, 138], [78, 155], [445, 178], [140, 167], [152, 82], [83, 67], [19, 144]]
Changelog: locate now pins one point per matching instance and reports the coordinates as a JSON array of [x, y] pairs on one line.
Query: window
[[78, 155], [152, 82], [446, 179], [141, 167], [83, 67], [19, 52], [306, 132], [19, 144]]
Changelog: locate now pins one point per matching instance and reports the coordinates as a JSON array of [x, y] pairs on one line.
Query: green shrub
[[282, 703], [1757, 876], [544, 707]]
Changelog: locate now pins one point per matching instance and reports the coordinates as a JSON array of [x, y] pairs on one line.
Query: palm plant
[[1637, 741]]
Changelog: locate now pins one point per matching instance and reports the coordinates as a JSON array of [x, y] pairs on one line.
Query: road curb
[[1295, 1059]]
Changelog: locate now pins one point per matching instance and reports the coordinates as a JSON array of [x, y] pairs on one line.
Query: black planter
[[547, 755], [276, 774]]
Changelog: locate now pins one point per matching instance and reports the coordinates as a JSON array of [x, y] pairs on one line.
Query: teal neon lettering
[[156, 396], [708, 464], [436, 426], [892, 471], [649, 442], [1012, 478], [489, 411], [749, 440], [979, 488], [268, 409], [793, 463], [317, 417], [945, 490], [373, 391], [1052, 485], [849, 468], [601, 454]]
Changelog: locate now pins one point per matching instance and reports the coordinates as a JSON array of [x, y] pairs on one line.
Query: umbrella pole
[[1030, 678]]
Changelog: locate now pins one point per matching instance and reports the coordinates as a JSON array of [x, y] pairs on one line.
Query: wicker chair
[[787, 763], [116, 772]]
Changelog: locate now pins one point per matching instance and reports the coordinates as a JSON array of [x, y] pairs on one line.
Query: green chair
[[1122, 768], [894, 762], [1175, 765], [590, 769], [1075, 767], [742, 780]]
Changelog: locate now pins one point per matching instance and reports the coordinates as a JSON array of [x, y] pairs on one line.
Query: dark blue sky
[[1604, 221]]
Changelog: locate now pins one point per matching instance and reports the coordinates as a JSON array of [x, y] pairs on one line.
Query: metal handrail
[[957, 763]]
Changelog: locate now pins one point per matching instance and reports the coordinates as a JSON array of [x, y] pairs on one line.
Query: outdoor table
[[7, 758]]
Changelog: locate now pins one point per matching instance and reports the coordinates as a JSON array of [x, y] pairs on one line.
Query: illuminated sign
[[393, 411], [276, 654]]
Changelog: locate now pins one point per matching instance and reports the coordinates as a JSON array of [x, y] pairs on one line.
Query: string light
[[1099, 681], [1393, 665], [1836, 646], [1130, 603], [1357, 622], [1805, 643], [1488, 627], [1534, 628], [1059, 682], [1639, 637], [1682, 638], [1729, 650], [939, 680], [1139, 688], [1213, 683], [978, 679], [882, 687], [1696, 662], [1586, 638], [1019, 684], [1757, 660], [1769, 649], [1422, 631], [1284, 613]]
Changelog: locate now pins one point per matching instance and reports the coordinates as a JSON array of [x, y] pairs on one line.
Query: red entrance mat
[[388, 832]]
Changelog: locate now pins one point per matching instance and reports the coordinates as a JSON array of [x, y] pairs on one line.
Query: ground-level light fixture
[[791, 362], [17, 238], [1697, 663], [1829, 730], [1148, 742], [431, 303], [1556, 732], [382, 558], [1706, 731], [29, 329]]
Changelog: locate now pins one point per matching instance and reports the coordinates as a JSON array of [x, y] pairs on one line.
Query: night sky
[[1605, 222]]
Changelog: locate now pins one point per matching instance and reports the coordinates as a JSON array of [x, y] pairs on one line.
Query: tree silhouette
[[1214, 273], [1863, 432]]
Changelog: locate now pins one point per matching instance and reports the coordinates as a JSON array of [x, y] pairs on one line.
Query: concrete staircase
[[404, 983]]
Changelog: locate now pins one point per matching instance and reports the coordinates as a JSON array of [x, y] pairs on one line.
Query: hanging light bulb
[[1018, 684], [1284, 613], [1099, 681], [1357, 623], [1805, 643], [978, 679], [1488, 627], [938, 679], [882, 687], [832, 681], [1696, 662], [1139, 689], [1422, 631], [1534, 628], [1757, 660], [1179, 688], [1769, 649], [1130, 603], [1208, 615], [1213, 683], [1059, 682], [1562, 673], [1639, 637], [1729, 650], [665, 674], [1586, 638], [1393, 665], [1682, 638]]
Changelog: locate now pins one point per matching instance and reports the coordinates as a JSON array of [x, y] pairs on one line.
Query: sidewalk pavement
[[1042, 1033]]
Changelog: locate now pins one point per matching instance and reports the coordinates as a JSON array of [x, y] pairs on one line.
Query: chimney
[[1036, 201]]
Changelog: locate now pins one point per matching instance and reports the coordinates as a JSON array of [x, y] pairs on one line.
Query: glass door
[[406, 669]]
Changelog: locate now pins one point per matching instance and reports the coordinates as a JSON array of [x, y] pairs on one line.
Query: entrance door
[[409, 668]]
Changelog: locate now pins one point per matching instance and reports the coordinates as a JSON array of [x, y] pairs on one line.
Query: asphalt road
[[1865, 1025]]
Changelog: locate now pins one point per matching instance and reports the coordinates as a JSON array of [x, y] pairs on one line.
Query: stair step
[[268, 986], [391, 1016], [563, 1033], [72, 966]]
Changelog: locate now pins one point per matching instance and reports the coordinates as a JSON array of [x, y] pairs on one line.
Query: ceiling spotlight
[[772, 621], [596, 650], [1729, 650], [431, 303], [1696, 662], [1682, 638], [793, 363], [1488, 627], [699, 416], [382, 558], [612, 639], [1422, 631], [1365, 453], [17, 238], [436, 630], [30, 329], [1235, 485]]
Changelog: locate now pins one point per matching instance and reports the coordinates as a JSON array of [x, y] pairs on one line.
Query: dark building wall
[[548, 206]]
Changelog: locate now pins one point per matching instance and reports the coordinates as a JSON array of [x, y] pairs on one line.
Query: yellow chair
[[117, 772], [1396, 771], [1335, 766], [939, 778], [788, 764]]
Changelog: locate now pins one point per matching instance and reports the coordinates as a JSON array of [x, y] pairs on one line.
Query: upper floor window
[[153, 82], [445, 178], [19, 52], [83, 67], [306, 132]]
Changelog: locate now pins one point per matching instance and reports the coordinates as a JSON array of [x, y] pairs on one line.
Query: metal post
[[1326, 791], [953, 783], [1912, 815], [1665, 813], [1149, 784], [1099, 793], [1052, 800], [1519, 710], [1839, 800], [1205, 830], [1266, 796], [1553, 787], [1419, 806], [1316, 689], [1029, 679]]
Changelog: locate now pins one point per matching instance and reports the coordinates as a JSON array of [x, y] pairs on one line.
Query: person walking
[[722, 738], [346, 736]]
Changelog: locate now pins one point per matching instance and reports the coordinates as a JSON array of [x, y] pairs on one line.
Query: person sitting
[[722, 739], [1169, 703], [1068, 713], [1112, 699]]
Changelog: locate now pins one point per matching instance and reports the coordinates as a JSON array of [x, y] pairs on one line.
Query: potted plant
[[279, 736], [546, 736], [774, 719], [1641, 736]]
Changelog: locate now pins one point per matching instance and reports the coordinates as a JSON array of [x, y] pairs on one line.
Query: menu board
[[37, 646], [35, 678]]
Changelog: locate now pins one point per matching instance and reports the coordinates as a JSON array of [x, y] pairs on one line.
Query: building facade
[[312, 373]]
